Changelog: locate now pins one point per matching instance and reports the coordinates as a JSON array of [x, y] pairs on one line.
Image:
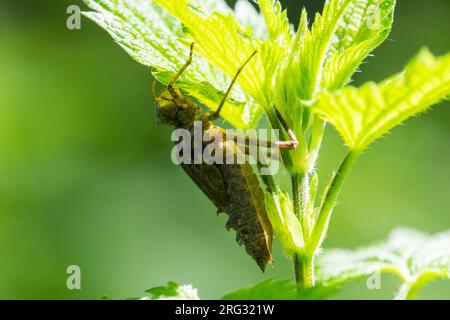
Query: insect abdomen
[[247, 212]]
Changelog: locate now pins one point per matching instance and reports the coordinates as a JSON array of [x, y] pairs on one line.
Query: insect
[[233, 188]]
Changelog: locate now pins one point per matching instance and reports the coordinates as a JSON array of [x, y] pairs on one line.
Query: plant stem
[[410, 289], [328, 202], [298, 271], [404, 293], [301, 195], [303, 265]]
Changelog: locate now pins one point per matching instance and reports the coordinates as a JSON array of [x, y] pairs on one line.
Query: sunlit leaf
[[315, 46], [363, 27], [222, 41], [364, 114], [276, 20], [151, 36], [327, 55], [286, 225]]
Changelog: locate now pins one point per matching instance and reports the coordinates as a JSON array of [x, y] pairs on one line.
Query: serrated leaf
[[277, 21], [227, 44], [222, 41], [327, 55], [154, 38], [364, 114], [413, 255], [363, 27], [271, 289], [286, 225], [316, 46]]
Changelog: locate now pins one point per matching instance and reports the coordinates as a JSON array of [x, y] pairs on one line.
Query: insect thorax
[[177, 110]]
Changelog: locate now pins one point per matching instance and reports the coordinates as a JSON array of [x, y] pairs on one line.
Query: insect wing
[[247, 211], [209, 179]]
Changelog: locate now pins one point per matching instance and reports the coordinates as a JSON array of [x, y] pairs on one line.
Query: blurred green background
[[86, 176]]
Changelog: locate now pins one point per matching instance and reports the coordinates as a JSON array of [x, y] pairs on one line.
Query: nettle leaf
[[227, 44], [364, 114], [415, 256], [315, 45], [154, 38], [277, 21], [285, 223], [220, 39], [363, 27], [271, 289], [172, 291], [327, 55]]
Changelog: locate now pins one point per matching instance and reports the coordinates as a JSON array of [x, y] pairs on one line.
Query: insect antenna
[[216, 114], [180, 72]]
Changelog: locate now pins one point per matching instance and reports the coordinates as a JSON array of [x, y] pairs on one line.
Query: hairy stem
[[301, 195], [404, 293], [303, 265], [410, 289], [304, 271], [328, 202]]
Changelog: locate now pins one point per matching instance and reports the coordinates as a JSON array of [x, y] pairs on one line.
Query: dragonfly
[[233, 188]]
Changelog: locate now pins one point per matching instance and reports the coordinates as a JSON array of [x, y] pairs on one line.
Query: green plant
[[304, 73]]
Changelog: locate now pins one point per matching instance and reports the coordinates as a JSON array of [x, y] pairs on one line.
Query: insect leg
[[245, 142], [216, 114], [294, 142], [172, 90], [267, 144]]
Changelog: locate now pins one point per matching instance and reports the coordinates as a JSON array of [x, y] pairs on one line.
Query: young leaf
[[154, 38], [172, 291], [286, 225], [415, 256], [315, 46], [222, 41], [226, 44], [325, 57], [271, 289], [276, 20], [363, 27], [362, 115]]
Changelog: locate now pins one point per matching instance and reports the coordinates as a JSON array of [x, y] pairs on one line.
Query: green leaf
[[286, 225], [271, 289], [277, 21], [415, 256], [363, 27], [325, 57], [154, 38], [227, 44], [172, 291], [362, 115], [316, 45], [223, 41]]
